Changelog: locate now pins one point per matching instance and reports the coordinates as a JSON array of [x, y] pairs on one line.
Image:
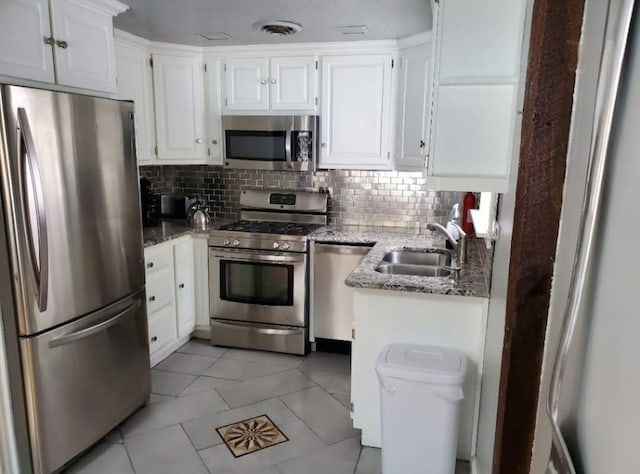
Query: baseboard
[[202, 332], [162, 354]]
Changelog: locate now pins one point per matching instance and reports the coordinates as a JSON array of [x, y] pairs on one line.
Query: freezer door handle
[[74, 336], [30, 171]]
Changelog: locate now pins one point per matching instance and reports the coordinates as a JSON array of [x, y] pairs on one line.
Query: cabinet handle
[[214, 142], [49, 40], [152, 299], [62, 44], [181, 285], [154, 338], [273, 81], [150, 265], [198, 140], [263, 82]]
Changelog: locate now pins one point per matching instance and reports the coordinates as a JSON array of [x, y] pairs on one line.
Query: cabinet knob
[[181, 285], [324, 145], [154, 338], [214, 142], [152, 299], [62, 44], [263, 82], [150, 265], [422, 144], [49, 40], [273, 81], [198, 140]]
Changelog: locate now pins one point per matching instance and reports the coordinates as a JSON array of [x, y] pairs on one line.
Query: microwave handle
[[287, 148]]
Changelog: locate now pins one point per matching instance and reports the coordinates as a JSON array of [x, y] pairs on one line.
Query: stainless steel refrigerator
[[75, 318]]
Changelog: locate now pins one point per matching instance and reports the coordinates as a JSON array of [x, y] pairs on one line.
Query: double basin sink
[[427, 263]]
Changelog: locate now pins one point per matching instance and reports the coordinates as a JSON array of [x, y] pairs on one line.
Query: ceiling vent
[[215, 36], [278, 27], [354, 30]]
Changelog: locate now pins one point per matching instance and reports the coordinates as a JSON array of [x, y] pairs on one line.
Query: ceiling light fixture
[[354, 29], [215, 36], [278, 27]]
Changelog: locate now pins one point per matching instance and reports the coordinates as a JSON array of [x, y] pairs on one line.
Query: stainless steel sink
[[438, 258], [415, 270]]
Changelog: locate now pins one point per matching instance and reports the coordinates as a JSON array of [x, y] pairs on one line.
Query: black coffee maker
[[150, 202]]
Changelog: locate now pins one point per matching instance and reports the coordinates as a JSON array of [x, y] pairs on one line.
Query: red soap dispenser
[[468, 203]]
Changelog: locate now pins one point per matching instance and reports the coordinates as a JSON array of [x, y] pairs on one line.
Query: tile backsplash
[[377, 198]]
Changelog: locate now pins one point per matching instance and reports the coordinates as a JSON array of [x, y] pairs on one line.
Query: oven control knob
[[236, 243], [226, 242], [285, 246], [276, 245]]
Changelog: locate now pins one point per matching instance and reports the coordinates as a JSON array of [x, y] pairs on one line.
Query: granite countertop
[[169, 229], [473, 279]]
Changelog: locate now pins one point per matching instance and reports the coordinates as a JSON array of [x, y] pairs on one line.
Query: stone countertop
[[473, 279], [169, 229]]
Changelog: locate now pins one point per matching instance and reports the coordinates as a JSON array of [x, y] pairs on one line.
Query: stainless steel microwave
[[277, 142]]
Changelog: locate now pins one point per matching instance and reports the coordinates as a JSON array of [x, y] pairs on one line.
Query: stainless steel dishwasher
[[332, 299]]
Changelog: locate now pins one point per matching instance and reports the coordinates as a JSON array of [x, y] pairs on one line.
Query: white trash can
[[420, 395]]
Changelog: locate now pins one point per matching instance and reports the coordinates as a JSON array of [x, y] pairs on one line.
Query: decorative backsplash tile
[[380, 198]]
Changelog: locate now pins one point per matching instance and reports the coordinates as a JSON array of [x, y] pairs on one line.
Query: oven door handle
[[263, 258], [287, 148]]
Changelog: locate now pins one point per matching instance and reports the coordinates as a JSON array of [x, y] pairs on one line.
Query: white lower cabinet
[[173, 295], [386, 317]]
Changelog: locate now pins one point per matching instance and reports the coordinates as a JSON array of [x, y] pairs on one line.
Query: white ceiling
[[180, 21]]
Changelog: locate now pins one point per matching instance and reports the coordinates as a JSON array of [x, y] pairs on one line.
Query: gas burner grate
[[281, 228]]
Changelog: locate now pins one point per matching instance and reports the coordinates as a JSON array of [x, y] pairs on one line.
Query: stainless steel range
[[258, 271]]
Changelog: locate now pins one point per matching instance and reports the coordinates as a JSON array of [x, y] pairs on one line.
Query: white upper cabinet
[[180, 109], [135, 82], [213, 106], [247, 84], [414, 106], [293, 83], [270, 84], [476, 83], [356, 112], [24, 36], [75, 35]]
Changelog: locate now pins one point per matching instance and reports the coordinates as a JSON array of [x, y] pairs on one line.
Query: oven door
[[258, 287]]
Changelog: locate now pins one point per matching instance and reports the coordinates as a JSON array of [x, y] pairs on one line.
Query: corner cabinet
[[264, 84], [476, 86], [356, 112], [135, 82], [414, 105], [180, 109], [66, 42]]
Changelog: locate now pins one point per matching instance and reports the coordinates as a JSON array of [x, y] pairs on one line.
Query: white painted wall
[[497, 303]]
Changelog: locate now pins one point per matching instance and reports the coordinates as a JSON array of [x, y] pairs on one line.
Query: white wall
[[497, 304]]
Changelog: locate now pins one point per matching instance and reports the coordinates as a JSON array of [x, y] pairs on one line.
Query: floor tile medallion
[[249, 436]]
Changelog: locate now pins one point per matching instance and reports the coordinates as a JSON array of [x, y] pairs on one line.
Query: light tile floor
[[200, 388]]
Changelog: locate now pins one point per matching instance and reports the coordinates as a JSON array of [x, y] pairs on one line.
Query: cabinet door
[[84, 51], [213, 95], [414, 108], [184, 262], [24, 28], [180, 114], [247, 84], [135, 82], [293, 83], [356, 112]]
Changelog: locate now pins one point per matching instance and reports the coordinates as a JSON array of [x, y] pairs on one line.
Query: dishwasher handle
[[343, 249]]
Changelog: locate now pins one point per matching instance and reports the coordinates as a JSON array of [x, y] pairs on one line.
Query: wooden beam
[[553, 55]]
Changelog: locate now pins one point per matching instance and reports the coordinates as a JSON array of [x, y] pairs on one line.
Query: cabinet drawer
[[162, 328], [156, 259], [159, 290]]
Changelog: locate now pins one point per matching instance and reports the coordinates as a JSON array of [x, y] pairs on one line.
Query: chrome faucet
[[459, 245]]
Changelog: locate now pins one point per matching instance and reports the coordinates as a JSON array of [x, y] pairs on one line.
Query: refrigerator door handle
[[83, 333], [29, 157]]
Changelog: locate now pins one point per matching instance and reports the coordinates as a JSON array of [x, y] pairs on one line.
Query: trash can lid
[[427, 364]]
